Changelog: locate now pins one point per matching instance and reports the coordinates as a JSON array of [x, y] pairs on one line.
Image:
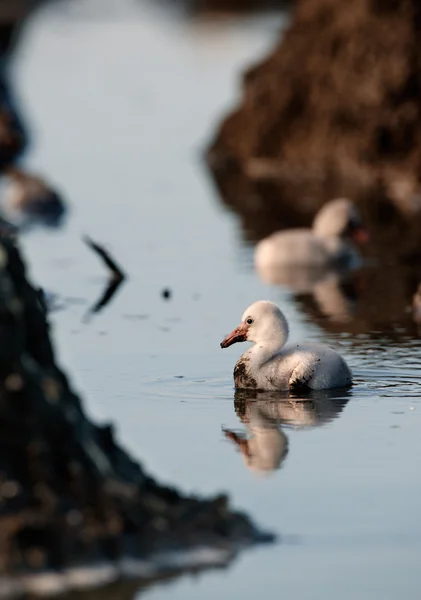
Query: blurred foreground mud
[[334, 110], [70, 497], [26, 198], [12, 14], [232, 6], [69, 494]]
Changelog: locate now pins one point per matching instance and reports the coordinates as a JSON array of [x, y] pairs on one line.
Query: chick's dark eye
[[249, 321]]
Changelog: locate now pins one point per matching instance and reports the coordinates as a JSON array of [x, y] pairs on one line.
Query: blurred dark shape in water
[[115, 280], [32, 200], [12, 15], [13, 137], [334, 110], [28, 199], [7, 228], [70, 496], [12, 133], [116, 272], [109, 292], [266, 413]]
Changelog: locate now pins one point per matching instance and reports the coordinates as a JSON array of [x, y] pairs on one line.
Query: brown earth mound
[[335, 109]]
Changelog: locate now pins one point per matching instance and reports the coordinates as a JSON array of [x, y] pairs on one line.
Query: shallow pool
[[122, 102]]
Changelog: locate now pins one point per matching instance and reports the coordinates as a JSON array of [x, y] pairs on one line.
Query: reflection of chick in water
[[333, 290], [264, 413], [266, 448]]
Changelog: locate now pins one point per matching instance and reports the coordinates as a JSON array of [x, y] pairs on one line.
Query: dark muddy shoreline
[[70, 495]]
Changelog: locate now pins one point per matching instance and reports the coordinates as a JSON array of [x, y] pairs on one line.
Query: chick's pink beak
[[238, 335]]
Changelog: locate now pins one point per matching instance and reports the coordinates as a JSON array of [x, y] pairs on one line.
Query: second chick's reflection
[[265, 446]]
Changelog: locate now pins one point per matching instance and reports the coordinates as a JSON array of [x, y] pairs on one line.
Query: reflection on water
[[334, 291], [266, 413], [266, 448], [373, 300]]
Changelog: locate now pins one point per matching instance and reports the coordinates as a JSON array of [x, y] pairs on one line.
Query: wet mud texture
[[231, 6], [334, 110], [69, 494]]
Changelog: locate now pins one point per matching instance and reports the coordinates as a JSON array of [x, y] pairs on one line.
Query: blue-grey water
[[122, 99]]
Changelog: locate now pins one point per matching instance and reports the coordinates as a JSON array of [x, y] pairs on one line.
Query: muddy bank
[[13, 134], [25, 198], [12, 15], [69, 494], [13, 137], [231, 6], [335, 109]]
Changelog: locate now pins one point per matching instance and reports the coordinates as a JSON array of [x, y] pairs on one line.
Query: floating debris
[[117, 276]]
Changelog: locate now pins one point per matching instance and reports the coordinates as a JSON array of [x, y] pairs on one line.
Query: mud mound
[[69, 494], [336, 108]]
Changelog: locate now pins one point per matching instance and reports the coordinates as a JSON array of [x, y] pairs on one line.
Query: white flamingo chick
[[269, 365], [330, 242]]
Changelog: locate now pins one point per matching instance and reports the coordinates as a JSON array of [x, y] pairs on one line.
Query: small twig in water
[[116, 271], [116, 279]]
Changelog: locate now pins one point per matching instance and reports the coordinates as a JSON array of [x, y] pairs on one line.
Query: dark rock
[[69, 494]]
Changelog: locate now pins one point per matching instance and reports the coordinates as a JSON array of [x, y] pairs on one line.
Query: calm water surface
[[122, 103]]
